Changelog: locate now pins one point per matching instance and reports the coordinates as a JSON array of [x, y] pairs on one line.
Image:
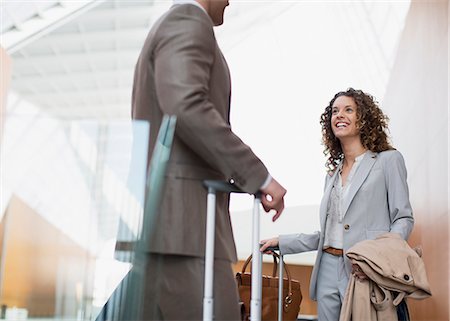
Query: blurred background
[[72, 170]]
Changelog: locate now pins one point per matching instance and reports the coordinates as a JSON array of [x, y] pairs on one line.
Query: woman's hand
[[273, 242], [360, 275]]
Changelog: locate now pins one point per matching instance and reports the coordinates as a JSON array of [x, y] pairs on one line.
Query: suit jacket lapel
[[360, 176]]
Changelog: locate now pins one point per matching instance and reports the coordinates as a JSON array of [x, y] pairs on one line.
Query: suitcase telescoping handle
[[280, 281], [256, 295]]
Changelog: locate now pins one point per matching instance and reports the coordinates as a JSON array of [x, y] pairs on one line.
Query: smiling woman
[[366, 195]]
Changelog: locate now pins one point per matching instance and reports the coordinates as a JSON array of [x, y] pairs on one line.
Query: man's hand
[[272, 198]]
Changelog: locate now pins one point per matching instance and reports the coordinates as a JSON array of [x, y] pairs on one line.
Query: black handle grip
[[271, 248], [222, 186]]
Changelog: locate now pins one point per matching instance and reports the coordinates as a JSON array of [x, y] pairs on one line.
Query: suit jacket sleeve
[[182, 68], [400, 210]]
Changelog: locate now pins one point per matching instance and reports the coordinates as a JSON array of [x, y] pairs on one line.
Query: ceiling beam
[[55, 98], [105, 111], [133, 35], [122, 74], [134, 15], [38, 26], [96, 56]]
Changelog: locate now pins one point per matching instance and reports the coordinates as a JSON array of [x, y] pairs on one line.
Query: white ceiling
[[83, 68], [15, 14], [76, 59], [23, 22]]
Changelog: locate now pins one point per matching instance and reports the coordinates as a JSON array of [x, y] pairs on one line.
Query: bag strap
[[274, 269], [288, 298]]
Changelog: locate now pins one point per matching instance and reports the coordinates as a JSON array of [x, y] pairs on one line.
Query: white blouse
[[334, 231]]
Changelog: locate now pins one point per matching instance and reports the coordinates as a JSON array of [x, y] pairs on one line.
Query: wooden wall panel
[[417, 104], [42, 266]]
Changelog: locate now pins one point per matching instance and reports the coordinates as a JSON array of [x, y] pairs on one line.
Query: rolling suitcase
[[256, 294]]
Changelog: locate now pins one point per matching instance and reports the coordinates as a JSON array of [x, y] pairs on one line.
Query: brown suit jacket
[[182, 71]]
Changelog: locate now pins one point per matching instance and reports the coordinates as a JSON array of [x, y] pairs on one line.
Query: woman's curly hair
[[371, 121]]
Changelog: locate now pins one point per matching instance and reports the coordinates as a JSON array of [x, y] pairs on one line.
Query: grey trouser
[[170, 287], [332, 282]]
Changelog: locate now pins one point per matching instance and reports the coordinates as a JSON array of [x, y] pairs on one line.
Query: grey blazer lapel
[[326, 197], [360, 176]]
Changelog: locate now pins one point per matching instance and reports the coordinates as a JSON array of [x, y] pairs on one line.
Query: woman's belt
[[334, 251]]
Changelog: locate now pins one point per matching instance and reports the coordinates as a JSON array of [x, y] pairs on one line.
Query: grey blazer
[[378, 202], [182, 71]]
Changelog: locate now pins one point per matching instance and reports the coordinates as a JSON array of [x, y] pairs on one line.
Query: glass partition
[[69, 191]]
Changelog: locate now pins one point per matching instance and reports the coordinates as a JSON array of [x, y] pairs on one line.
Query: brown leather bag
[[292, 295]]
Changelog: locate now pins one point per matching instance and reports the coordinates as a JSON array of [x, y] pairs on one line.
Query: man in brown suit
[[181, 71]]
